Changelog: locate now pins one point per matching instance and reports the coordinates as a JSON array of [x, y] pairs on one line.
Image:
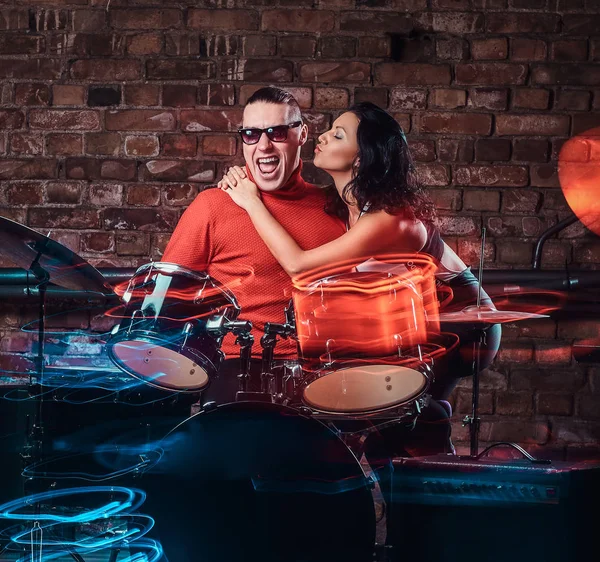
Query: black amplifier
[[449, 508]]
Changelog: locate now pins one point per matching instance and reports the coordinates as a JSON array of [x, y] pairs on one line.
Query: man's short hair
[[272, 94]]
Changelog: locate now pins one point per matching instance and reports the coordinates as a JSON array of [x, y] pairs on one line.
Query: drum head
[[259, 482], [159, 365], [364, 388]]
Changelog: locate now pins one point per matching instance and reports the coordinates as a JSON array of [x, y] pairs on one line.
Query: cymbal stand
[[473, 420]]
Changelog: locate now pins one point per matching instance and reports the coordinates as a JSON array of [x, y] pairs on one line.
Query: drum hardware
[[172, 326]]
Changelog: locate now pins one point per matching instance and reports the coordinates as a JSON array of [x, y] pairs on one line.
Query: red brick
[[3, 144], [103, 195], [581, 24], [455, 150], [469, 251], [481, 200], [555, 352], [544, 175], [77, 218], [583, 123], [529, 98], [145, 18], [140, 219], [412, 74], [518, 404], [234, 20], [519, 431], [140, 120], [569, 51], [63, 94], [88, 20], [179, 145], [219, 45], [297, 46], [179, 95], [511, 226], [257, 70], [331, 98], [144, 44], [66, 193], [589, 407], [219, 145], [216, 94], [464, 403], [338, 47], [24, 193], [491, 73], [517, 352], [49, 20], [298, 20], [141, 145], [378, 96], [259, 45], [25, 143], [522, 23], [433, 174], [576, 74], [143, 94], [91, 168], [488, 98], [103, 143], [531, 150], [448, 99], [423, 150], [16, 44], [587, 252], [492, 149], [64, 119], [64, 144], [458, 226], [106, 70], [374, 47], [452, 49], [408, 98], [572, 100], [496, 176], [98, 242], [32, 94], [556, 254], [527, 50], [143, 195], [376, 23], [180, 195], [179, 69], [13, 169], [455, 123], [451, 23], [179, 170], [489, 49], [185, 44], [532, 125], [13, 19], [133, 243], [200, 120], [446, 199], [335, 72], [580, 328], [520, 201]]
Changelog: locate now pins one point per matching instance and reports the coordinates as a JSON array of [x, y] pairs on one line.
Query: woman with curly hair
[[386, 211]]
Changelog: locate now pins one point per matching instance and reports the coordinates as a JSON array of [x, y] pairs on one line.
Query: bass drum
[[251, 481]]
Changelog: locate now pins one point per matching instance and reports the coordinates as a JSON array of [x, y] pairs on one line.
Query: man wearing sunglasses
[[217, 236]]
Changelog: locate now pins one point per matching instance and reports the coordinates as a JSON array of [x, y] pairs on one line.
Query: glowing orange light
[[366, 313], [579, 176]]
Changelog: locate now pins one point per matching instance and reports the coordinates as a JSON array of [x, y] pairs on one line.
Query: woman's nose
[[321, 139]]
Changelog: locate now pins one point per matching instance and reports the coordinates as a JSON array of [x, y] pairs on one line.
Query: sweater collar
[[294, 188]]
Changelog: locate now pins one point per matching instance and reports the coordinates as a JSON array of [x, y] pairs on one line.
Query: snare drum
[[162, 338]]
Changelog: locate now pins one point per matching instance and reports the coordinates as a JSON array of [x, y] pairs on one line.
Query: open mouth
[[268, 166]]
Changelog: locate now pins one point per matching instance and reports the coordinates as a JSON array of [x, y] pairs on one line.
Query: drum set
[[368, 349]]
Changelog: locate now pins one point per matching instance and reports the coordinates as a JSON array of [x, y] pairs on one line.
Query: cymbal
[[485, 315], [24, 246]]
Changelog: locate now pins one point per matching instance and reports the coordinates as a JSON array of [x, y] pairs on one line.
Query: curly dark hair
[[385, 177]]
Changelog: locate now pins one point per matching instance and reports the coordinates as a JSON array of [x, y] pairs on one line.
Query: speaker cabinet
[[452, 509]]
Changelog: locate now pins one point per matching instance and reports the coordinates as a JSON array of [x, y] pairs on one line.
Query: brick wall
[[114, 115]]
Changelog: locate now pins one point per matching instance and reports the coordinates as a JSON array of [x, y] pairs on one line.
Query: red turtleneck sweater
[[217, 236]]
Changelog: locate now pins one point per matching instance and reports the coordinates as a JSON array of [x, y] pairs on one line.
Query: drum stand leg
[[473, 421]]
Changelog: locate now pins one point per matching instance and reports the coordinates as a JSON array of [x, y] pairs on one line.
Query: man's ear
[[303, 134]]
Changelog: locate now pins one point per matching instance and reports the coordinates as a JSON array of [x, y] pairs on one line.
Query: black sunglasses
[[278, 133]]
